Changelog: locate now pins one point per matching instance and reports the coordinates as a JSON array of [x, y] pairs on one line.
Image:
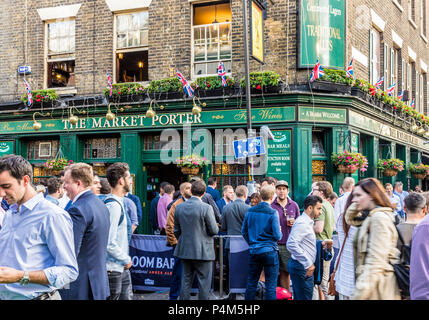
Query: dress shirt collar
[[79, 194], [196, 198], [29, 204], [307, 218]]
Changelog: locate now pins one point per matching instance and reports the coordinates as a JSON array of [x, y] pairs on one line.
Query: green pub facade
[[307, 129]]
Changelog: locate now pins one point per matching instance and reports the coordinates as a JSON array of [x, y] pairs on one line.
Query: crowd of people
[[70, 239], [340, 247], [67, 241]]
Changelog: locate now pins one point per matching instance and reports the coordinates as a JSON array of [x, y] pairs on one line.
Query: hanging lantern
[[109, 115], [150, 113]]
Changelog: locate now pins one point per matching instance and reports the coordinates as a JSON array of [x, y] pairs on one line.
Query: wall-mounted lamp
[[36, 124]]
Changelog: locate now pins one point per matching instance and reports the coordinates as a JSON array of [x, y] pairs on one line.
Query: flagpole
[[247, 79]]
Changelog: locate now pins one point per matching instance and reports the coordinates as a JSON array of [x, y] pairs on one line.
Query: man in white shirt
[[302, 246], [394, 199], [340, 204]]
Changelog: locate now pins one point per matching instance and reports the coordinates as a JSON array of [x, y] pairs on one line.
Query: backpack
[[402, 269], [129, 227]]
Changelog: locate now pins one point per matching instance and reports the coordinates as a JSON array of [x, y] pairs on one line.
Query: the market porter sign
[[222, 117], [322, 31]]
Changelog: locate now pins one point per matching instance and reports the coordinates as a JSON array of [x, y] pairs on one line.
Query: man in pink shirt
[[419, 265], [163, 203]]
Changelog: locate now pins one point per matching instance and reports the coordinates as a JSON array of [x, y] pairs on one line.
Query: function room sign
[[279, 156], [322, 31]]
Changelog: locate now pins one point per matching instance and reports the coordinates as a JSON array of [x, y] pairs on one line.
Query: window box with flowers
[[56, 165], [41, 98], [126, 92], [418, 171], [263, 82], [390, 167], [164, 89], [191, 164], [212, 87], [348, 162], [333, 81]]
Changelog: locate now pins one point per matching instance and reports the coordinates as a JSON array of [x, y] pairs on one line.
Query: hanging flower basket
[[418, 171], [347, 162], [419, 175], [344, 169], [191, 164], [390, 173], [56, 165], [191, 171], [390, 167]]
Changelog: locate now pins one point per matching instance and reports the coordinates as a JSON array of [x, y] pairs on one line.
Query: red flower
[[119, 92], [394, 107], [38, 96], [38, 100], [258, 87], [208, 85]]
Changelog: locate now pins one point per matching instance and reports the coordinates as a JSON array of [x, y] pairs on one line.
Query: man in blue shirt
[[55, 190], [37, 246], [398, 190], [211, 188], [261, 230]]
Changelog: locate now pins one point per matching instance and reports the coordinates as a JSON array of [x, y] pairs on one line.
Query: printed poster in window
[[257, 32]]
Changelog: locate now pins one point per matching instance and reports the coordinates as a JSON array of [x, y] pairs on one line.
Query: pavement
[[163, 295]]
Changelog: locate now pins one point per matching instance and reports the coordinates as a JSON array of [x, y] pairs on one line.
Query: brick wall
[[170, 40]]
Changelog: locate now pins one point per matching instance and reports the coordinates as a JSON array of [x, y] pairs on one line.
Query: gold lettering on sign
[[124, 122], [133, 121], [96, 123], [242, 115], [106, 123], [197, 118], [268, 114]]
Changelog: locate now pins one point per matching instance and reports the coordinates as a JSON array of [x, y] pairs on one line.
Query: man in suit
[[91, 230], [194, 227], [228, 197], [211, 188], [232, 222], [207, 198]]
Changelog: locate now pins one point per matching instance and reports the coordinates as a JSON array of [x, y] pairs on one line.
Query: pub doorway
[[157, 173]]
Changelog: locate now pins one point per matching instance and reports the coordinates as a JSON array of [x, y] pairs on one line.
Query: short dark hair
[[333, 196], [198, 188], [312, 201], [17, 166], [270, 180], [168, 188], [105, 186], [115, 172], [211, 181], [414, 202], [53, 185], [162, 185]]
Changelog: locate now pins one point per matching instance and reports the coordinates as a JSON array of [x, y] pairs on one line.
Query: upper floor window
[[374, 52], [131, 49], [412, 10], [61, 53], [423, 17], [211, 38], [102, 148]]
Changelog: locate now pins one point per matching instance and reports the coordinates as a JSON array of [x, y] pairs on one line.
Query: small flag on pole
[[109, 83], [413, 103], [349, 70], [401, 95], [390, 89], [29, 95], [186, 86], [317, 72], [221, 73], [379, 83]]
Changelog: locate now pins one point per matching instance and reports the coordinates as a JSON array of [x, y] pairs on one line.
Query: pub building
[[307, 128], [144, 41]]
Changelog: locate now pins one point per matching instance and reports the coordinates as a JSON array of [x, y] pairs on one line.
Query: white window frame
[[374, 56], [386, 66], [193, 75], [417, 96], [394, 68], [421, 93], [403, 75], [45, 144], [64, 56], [125, 50], [409, 83]]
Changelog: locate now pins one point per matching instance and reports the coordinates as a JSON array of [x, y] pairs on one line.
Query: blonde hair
[[41, 188], [267, 192], [83, 172]]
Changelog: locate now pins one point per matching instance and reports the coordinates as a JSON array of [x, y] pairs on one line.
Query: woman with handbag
[[375, 243], [342, 282]]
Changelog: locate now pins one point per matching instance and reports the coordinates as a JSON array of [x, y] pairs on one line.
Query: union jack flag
[[317, 72], [413, 103], [349, 70], [29, 95], [379, 83], [186, 86], [109, 83], [221, 73], [390, 89], [401, 95]]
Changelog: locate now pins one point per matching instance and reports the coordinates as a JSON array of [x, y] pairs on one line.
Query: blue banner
[[152, 262], [238, 264]]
